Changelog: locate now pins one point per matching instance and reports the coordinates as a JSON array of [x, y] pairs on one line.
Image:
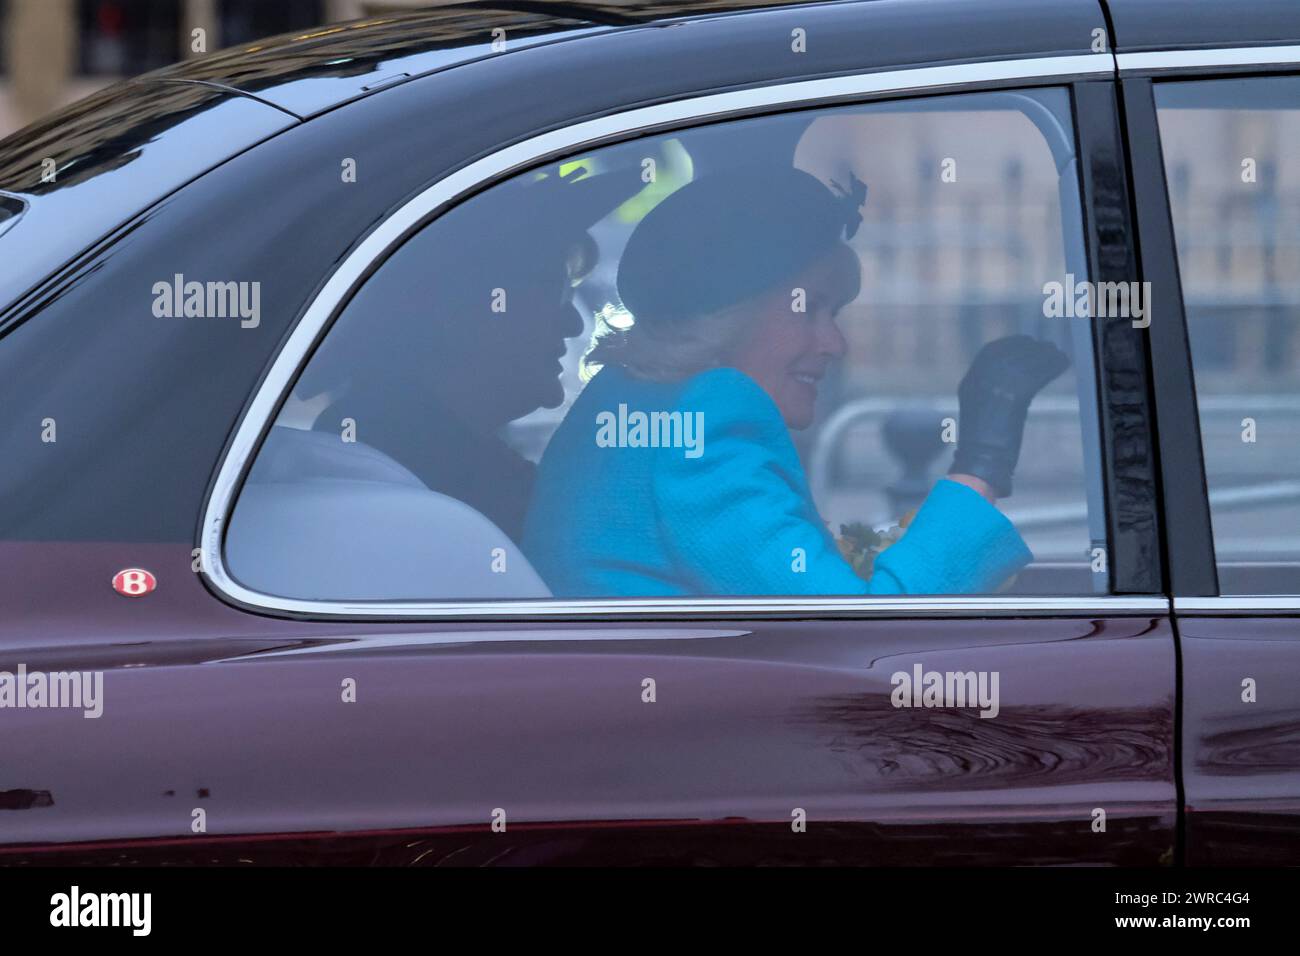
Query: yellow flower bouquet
[[860, 545]]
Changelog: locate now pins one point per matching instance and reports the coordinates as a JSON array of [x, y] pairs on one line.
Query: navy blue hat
[[729, 237]]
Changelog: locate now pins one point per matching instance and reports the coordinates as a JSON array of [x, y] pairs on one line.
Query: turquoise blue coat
[[733, 516]]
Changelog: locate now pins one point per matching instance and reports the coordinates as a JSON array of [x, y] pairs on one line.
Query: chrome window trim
[[759, 608], [1265, 605], [588, 134], [1167, 61]]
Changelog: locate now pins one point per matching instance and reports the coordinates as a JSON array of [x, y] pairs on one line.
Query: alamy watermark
[[922, 688], [77, 690], [1102, 300], [651, 430], [208, 300], [75, 908]]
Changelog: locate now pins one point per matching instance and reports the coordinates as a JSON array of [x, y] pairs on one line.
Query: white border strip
[[562, 142], [1207, 59]]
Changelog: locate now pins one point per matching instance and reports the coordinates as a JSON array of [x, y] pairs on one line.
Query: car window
[[1232, 159], [735, 360]]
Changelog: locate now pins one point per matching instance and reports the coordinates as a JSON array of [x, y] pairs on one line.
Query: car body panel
[[1241, 744], [309, 72], [1149, 25], [114, 154], [242, 716]]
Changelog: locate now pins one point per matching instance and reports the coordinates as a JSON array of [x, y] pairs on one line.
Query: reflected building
[[57, 51]]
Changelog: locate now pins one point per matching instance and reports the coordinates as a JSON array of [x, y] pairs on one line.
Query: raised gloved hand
[[994, 397]]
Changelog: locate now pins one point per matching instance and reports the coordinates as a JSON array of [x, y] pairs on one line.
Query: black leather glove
[[994, 398]]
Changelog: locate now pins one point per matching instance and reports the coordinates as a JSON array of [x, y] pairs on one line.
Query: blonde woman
[[711, 498]]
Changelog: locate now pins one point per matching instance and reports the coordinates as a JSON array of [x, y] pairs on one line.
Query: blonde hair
[[672, 351], [668, 351]]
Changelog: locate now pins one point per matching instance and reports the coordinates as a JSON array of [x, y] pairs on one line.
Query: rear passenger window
[[830, 352], [1232, 159]]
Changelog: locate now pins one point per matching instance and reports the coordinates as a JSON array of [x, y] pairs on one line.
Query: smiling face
[[788, 352]]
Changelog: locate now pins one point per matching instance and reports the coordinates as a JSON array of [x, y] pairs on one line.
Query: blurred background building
[[57, 51]]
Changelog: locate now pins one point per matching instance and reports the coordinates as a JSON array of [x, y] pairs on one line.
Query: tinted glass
[[720, 362], [1232, 157]]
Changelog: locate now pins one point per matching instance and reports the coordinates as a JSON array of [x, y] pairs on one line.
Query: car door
[[289, 720], [1215, 170], [744, 728]]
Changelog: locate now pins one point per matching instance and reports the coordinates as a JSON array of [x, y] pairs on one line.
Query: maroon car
[[318, 545]]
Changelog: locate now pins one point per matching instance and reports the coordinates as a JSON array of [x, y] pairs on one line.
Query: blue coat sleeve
[[739, 519], [958, 543]]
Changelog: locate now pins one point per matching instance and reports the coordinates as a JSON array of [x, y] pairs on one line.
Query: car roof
[[313, 70], [308, 72], [1145, 25]]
